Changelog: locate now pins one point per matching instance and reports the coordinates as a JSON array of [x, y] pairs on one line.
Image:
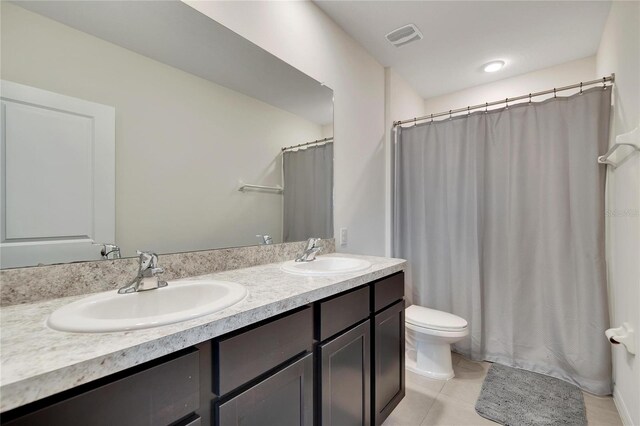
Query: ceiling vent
[[404, 35]]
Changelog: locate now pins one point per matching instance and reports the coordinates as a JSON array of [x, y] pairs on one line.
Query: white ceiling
[[461, 36], [176, 34]]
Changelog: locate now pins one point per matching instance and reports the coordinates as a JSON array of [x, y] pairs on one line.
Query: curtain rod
[[325, 140], [506, 101]]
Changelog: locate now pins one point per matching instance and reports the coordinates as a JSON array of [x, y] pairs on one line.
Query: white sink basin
[[322, 266], [179, 301]]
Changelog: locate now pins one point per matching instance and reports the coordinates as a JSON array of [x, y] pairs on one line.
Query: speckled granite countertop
[[37, 362]]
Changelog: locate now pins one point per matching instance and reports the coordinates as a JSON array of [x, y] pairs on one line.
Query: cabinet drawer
[[159, 395], [387, 291], [244, 356], [341, 312], [284, 398]]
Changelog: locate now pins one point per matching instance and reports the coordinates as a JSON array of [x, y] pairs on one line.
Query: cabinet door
[[389, 360], [345, 371], [283, 399]]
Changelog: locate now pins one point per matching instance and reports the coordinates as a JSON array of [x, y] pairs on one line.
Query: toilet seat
[[419, 317]]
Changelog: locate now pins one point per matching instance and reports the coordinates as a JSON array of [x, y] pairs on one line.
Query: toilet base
[[437, 369]]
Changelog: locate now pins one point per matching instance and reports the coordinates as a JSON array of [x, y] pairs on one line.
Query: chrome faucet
[[265, 239], [148, 272], [109, 250], [310, 252]]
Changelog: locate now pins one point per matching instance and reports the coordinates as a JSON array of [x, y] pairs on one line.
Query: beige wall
[[401, 102], [619, 53], [182, 142], [544, 79], [302, 35]]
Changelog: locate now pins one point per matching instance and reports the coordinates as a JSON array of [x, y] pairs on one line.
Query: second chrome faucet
[[147, 278]]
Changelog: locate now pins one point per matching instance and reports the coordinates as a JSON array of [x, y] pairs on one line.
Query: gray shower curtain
[[501, 216], [308, 193]]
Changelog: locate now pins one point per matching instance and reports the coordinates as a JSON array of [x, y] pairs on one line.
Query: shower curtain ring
[[529, 97], [449, 114], [468, 111], [486, 107], [414, 121], [604, 83], [581, 88], [431, 118], [554, 92], [506, 101]]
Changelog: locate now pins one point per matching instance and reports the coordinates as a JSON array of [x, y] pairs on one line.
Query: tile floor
[[432, 402]]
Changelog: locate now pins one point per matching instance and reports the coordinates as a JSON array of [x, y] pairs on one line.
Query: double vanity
[[293, 343]]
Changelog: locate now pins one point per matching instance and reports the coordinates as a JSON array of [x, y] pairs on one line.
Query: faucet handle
[[310, 252], [312, 243], [147, 274], [147, 260]]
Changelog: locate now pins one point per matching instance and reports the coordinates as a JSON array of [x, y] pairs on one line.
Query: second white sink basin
[[330, 265], [179, 301]]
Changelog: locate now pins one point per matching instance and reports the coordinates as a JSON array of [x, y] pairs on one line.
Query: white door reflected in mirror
[[58, 175]]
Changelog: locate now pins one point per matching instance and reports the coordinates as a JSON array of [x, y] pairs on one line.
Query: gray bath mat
[[511, 396]]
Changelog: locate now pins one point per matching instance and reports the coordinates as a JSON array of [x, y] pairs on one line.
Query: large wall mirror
[[147, 125]]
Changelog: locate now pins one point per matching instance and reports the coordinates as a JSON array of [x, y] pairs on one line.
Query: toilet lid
[[433, 319]]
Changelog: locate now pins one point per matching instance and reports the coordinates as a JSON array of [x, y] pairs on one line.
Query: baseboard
[[622, 408]]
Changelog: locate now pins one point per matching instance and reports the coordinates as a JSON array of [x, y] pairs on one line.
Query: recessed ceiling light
[[493, 66]]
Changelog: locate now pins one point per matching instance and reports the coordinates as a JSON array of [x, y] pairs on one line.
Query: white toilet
[[433, 332]]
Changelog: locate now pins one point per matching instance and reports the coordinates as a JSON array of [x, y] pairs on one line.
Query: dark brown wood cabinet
[[264, 374], [283, 399], [340, 312], [194, 420], [387, 291], [344, 374], [338, 361], [389, 373], [161, 394], [245, 355]]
